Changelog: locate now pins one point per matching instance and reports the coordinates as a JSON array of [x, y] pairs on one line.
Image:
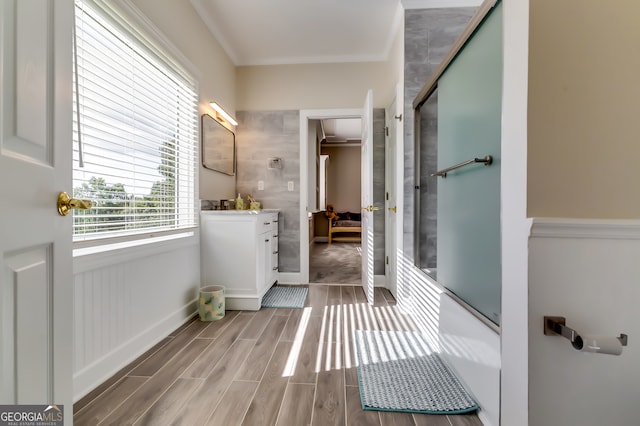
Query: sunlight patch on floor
[[294, 354]]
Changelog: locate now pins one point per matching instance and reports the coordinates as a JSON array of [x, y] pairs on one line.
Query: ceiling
[[270, 32], [342, 131]]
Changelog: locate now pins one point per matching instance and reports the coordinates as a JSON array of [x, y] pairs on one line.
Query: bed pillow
[[356, 216]]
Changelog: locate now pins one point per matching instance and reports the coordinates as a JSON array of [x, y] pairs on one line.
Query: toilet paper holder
[[558, 326]]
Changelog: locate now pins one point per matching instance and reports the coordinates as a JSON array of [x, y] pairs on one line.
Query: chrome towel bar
[[487, 160]]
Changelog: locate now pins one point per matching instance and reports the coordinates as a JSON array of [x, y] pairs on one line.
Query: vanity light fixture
[[223, 113]]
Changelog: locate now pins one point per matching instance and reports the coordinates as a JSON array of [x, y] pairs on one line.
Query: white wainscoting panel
[[589, 272], [123, 308]]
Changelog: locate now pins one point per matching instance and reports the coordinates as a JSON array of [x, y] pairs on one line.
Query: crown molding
[[201, 10]]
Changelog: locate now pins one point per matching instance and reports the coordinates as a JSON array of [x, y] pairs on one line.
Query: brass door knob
[[393, 209], [66, 203], [371, 208]]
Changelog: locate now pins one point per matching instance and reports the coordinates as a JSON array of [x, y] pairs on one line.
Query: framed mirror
[[218, 146]]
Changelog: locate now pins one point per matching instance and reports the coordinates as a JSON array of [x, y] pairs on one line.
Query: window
[[136, 153]]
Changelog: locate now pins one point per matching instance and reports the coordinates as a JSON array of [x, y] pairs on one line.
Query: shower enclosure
[[457, 195]]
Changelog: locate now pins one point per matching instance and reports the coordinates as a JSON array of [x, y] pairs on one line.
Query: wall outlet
[[260, 185], [290, 185]]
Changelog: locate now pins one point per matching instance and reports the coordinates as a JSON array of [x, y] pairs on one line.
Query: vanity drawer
[[268, 223]]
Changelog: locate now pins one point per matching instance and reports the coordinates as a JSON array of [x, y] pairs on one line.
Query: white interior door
[[36, 296], [366, 183], [391, 204]]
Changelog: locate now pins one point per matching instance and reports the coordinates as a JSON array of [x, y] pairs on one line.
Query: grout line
[[315, 394], [246, 410], [125, 400], [284, 396], [272, 353], [125, 373], [172, 383]]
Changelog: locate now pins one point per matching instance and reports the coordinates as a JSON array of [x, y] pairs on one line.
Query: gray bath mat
[[285, 297], [397, 371]]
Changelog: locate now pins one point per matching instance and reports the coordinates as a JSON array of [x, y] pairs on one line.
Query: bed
[[347, 227]]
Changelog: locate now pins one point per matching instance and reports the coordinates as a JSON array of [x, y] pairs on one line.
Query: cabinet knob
[[275, 252], [267, 223], [266, 241], [275, 221], [275, 268], [275, 236]]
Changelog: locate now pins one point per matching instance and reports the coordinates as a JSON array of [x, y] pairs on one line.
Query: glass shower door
[[468, 207]]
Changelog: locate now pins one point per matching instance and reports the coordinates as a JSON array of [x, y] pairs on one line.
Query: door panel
[[367, 197], [35, 164], [29, 290], [391, 198]]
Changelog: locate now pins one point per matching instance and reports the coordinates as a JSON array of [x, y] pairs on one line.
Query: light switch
[[290, 185], [260, 185]]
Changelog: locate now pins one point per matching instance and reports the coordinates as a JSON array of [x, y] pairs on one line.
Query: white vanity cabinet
[[239, 250]]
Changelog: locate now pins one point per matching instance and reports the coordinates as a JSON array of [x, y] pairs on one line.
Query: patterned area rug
[[285, 297], [397, 371]]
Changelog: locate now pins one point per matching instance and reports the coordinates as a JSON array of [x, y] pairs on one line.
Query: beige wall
[[179, 22], [343, 178], [313, 86], [584, 106]]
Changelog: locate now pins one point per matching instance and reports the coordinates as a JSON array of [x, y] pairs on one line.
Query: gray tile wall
[[261, 135], [429, 35]]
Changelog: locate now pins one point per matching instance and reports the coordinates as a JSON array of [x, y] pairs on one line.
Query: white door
[[36, 297], [391, 197], [367, 196]]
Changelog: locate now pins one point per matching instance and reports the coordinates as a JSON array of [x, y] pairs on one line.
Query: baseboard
[[242, 303], [85, 380], [485, 419], [379, 281], [295, 278], [289, 278], [321, 239]]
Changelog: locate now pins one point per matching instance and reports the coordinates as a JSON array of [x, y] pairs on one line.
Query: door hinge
[[386, 130], [387, 260]]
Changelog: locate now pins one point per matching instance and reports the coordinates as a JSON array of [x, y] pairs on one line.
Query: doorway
[[310, 203], [335, 255]]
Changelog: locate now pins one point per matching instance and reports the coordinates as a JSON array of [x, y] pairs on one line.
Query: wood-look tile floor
[[286, 367]]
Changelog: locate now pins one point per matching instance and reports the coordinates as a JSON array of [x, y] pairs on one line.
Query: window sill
[[94, 257]]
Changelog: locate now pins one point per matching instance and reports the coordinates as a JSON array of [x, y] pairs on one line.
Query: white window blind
[[138, 124]]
